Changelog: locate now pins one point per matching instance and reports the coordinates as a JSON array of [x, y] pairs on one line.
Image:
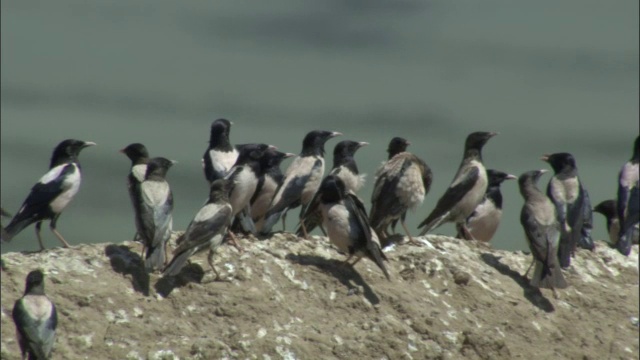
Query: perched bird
[[267, 184], [608, 208], [154, 215], [220, 156], [347, 225], [36, 319], [586, 241], [466, 190], [302, 179], [344, 167], [567, 194], [484, 220], [244, 176], [52, 193], [206, 231], [396, 146], [139, 157], [401, 184], [542, 229], [628, 199]]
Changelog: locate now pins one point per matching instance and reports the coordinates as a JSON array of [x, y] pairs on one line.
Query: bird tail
[[311, 221], [431, 223], [16, 225], [624, 242], [177, 263], [548, 277], [246, 221], [565, 248], [155, 257], [270, 219], [585, 241]]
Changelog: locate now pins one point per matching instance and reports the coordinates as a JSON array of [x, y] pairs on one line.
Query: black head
[[252, 152], [560, 162], [497, 177], [313, 143], [136, 152], [219, 136], [607, 208], [273, 158], [158, 167], [332, 189], [475, 141], [529, 180], [34, 282], [68, 151], [346, 149], [219, 190], [397, 145]]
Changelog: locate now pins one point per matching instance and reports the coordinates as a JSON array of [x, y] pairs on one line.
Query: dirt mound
[[286, 298]]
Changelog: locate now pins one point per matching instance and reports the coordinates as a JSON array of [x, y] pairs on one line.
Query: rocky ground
[[286, 298]]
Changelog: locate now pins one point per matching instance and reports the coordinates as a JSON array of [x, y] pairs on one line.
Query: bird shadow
[[533, 294], [126, 262], [344, 273], [190, 273]]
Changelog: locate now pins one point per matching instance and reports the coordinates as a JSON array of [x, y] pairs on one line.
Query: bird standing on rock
[[347, 225], [484, 220], [155, 212], [52, 193], [608, 208], [244, 176], [36, 319], [267, 184], [568, 196], [542, 229], [139, 157], [207, 229], [344, 167], [401, 184], [628, 200], [220, 156], [302, 179], [466, 190]]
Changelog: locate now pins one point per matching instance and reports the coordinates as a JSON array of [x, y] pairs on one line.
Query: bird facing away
[[35, 318], [396, 146], [206, 231], [155, 214], [244, 177], [220, 156], [347, 224], [542, 229], [609, 209], [267, 184], [139, 157], [567, 195], [484, 220], [628, 199], [301, 180], [52, 193], [344, 167], [466, 190], [401, 184]]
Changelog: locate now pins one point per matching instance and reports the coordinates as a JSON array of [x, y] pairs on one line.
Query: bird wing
[[156, 209], [541, 238], [456, 191], [355, 206], [211, 220], [47, 189]]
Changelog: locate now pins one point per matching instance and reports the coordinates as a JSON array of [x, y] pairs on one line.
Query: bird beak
[[362, 143], [492, 134], [230, 122], [288, 155], [335, 133], [510, 177], [173, 161], [89, 143], [121, 151], [545, 157], [271, 147], [542, 171]]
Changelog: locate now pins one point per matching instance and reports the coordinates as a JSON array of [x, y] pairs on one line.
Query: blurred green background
[[548, 75]]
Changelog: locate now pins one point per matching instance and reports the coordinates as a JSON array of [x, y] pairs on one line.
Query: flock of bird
[[249, 194]]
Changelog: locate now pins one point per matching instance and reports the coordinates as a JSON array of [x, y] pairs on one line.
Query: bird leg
[[210, 260], [526, 275], [466, 233], [304, 230], [284, 217], [355, 262], [234, 242], [555, 293], [323, 230], [38, 225], [411, 239], [52, 226]]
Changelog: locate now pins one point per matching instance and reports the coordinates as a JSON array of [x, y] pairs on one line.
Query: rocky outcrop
[[287, 298]]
